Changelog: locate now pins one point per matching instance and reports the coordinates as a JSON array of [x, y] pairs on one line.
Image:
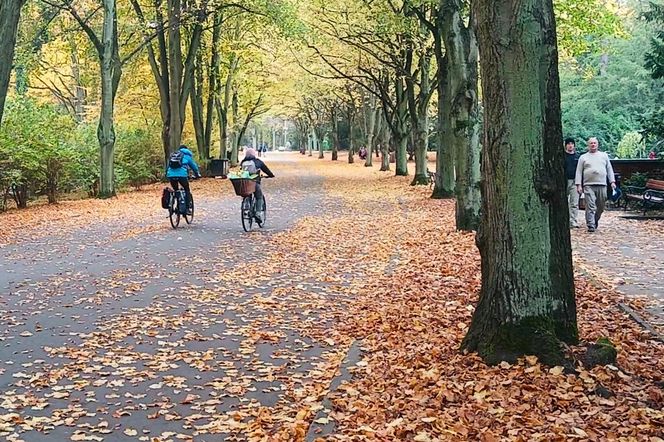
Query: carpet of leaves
[[379, 266]]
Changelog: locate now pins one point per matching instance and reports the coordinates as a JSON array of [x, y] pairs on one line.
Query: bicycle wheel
[[262, 215], [189, 217], [174, 211], [247, 212]]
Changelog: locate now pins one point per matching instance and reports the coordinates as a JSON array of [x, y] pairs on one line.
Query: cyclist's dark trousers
[[176, 182], [258, 194]]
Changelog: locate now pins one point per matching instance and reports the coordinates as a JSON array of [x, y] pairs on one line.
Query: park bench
[[432, 177], [649, 197]]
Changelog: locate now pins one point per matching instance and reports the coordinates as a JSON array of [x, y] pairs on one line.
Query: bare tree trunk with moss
[[10, 12], [111, 70], [335, 131], [384, 148], [461, 125], [371, 115], [526, 303], [400, 132], [198, 111], [418, 106]]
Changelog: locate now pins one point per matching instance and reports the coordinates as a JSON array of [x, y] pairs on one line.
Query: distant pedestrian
[[592, 173], [571, 161], [652, 155]]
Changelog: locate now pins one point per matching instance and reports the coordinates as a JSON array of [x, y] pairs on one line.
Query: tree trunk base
[[466, 220], [507, 342], [335, 156], [401, 172], [385, 168], [420, 180], [442, 194], [105, 195]]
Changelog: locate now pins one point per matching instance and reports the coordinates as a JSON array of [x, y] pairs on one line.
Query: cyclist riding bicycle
[[179, 164], [253, 165]]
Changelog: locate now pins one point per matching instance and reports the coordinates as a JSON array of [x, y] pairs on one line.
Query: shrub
[[35, 149]]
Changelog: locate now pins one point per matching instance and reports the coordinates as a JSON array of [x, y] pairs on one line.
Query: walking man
[[571, 161], [592, 173]]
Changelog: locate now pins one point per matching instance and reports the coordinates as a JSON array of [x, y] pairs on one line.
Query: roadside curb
[[621, 305]]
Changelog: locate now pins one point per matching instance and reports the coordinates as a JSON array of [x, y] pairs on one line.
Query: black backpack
[[166, 197], [176, 159]]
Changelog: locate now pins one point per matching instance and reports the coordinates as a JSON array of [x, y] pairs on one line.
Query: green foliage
[[582, 25], [33, 144], [654, 59], [637, 179], [632, 145], [608, 106], [139, 157]]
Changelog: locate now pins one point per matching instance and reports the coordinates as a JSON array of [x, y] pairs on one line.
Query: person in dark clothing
[[571, 161], [253, 165]]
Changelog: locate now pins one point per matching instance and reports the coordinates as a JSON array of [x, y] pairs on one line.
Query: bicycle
[[174, 211], [245, 187]]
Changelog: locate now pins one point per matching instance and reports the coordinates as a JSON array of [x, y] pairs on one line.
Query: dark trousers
[[176, 182], [258, 194]]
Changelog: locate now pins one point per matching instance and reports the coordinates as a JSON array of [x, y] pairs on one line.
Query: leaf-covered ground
[[340, 321]]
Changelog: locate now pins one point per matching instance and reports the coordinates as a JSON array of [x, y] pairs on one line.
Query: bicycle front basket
[[243, 186]]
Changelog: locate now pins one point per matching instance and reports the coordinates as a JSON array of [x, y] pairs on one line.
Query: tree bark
[[419, 115], [401, 129], [10, 11], [174, 74], [461, 126], [445, 179], [197, 111], [385, 149], [335, 133], [111, 70], [526, 303], [371, 114]]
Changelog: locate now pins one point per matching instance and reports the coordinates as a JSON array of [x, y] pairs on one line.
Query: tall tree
[[10, 11], [173, 70], [526, 303], [110, 69], [655, 57], [462, 125]]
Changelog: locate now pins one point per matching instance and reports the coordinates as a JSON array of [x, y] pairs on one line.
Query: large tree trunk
[[110, 66], [213, 82], [10, 11], [401, 129], [175, 74], [197, 111], [445, 179], [385, 149], [225, 107], [526, 303], [419, 111], [462, 126], [371, 115], [335, 133]]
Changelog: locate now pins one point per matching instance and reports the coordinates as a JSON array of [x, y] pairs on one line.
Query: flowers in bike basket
[[242, 174]]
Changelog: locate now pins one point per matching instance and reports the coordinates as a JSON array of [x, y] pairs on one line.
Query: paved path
[[129, 329], [628, 254]]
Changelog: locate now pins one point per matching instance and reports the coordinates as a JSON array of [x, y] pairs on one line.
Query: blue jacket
[[187, 162]]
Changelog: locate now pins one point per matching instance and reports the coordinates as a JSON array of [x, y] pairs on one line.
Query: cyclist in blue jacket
[[178, 170]]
